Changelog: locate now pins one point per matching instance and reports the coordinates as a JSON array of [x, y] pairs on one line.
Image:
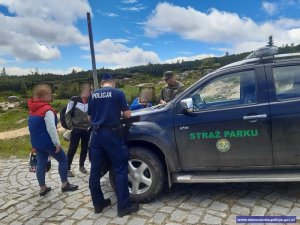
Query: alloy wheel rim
[[139, 176]]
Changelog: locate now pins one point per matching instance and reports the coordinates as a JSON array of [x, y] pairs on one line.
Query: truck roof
[[261, 60]]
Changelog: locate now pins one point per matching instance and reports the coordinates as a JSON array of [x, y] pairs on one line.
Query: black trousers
[[76, 136]]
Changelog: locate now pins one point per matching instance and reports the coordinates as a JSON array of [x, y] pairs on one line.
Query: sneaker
[[45, 191], [127, 211], [69, 187], [104, 204], [70, 173], [82, 170]]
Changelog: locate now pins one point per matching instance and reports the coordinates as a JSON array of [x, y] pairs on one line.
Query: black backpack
[[62, 113]]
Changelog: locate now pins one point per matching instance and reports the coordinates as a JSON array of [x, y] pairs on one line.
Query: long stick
[[95, 78]]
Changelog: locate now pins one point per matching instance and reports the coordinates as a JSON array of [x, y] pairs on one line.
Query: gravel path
[[183, 204]]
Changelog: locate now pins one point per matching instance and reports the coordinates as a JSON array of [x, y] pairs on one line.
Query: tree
[[36, 71], [270, 42], [23, 89], [226, 54], [3, 73], [73, 71]]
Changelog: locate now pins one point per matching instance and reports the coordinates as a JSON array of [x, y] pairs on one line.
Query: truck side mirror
[[187, 105]]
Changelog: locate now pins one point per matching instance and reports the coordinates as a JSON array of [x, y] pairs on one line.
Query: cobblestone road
[[183, 204]]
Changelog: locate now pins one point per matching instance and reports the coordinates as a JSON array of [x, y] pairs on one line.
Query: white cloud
[[19, 71], [147, 44], [120, 40], [135, 8], [112, 15], [240, 33], [188, 58], [269, 7], [274, 7], [65, 12], [114, 53], [35, 30], [129, 1], [109, 14]]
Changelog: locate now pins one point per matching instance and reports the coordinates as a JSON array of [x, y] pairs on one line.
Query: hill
[[127, 78]]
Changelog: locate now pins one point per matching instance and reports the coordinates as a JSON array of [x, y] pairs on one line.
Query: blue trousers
[[42, 159], [107, 142]]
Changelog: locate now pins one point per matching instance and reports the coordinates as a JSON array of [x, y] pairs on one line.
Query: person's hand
[[162, 102], [58, 148]]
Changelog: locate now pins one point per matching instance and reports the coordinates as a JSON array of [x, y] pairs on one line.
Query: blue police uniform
[[105, 106]]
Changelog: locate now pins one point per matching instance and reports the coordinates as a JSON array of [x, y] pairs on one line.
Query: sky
[[51, 35]]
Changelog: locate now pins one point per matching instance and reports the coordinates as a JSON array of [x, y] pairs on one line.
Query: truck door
[[284, 90], [230, 125]]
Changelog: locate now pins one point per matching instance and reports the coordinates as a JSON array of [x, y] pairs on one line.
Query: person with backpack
[[42, 123], [76, 119]]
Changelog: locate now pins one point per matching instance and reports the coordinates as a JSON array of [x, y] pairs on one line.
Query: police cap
[[107, 77]]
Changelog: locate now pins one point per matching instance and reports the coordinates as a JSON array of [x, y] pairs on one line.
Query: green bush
[[119, 84], [58, 104]]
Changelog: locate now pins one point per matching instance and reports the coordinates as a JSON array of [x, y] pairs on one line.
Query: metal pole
[[95, 78]]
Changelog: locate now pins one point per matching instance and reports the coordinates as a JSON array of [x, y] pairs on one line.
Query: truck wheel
[[145, 175]]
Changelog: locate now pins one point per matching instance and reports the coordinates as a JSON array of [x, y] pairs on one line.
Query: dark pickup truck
[[240, 123]]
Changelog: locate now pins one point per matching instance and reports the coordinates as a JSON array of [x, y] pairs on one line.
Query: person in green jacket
[[171, 89]]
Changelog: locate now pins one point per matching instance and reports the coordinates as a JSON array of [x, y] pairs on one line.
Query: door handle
[[255, 117]]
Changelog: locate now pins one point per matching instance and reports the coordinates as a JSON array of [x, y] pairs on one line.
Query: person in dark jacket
[[77, 120], [42, 123], [105, 107]]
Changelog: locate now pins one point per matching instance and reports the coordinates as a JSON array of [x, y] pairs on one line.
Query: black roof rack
[[262, 54]]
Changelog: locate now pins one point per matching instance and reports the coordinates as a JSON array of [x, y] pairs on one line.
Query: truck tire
[[145, 175]]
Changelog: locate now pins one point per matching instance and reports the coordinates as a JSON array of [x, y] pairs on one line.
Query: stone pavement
[[183, 204]]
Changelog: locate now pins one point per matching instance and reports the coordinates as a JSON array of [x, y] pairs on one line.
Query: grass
[[131, 92], [15, 147], [4, 95], [58, 104], [13, 119], [17, 118], [21, 147]]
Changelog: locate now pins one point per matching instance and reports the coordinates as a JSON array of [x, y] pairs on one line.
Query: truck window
[[287, 82], [226, 91]]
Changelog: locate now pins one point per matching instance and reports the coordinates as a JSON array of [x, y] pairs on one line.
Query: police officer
[[105, 107], [171, 89]]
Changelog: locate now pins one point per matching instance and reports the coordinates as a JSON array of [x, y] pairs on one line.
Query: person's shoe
[[70, 173], [82, 169], [104, 204], [69, 187], [127, 211], [45, 191]]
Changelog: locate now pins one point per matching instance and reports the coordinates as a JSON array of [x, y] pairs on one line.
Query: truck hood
[[150, 110]]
